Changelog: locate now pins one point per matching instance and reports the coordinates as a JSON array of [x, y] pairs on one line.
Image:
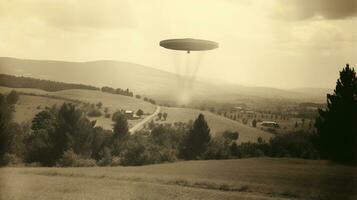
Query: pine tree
[[120, 133], [197, 139], [337, 124], [121, 128]]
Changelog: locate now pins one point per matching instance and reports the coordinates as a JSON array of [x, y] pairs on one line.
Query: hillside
[[29, 105], [250, 179], [217, 124], [144, 80], [47, 85]]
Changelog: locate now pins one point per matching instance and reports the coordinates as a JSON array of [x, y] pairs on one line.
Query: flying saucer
[[189, 44]]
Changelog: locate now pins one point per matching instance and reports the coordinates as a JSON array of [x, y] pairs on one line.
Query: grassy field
[[29, 105], [113, 102], [226, 179], [217, 123]]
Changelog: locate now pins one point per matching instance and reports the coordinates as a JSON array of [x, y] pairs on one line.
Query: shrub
[[218, 148], [71, 159], [85, 162], [133, 152], [139, 151], [115, 161], [94, 113], [99, 105], [12, 97], [296, 144], [231, 135], [68, 159], [11, 160], [140, 112], [250, 149], [106, 158]]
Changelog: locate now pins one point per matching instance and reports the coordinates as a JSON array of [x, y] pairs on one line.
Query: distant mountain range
[[147, 81]]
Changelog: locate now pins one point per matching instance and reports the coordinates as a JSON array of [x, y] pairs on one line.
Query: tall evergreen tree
[[196, 142], [121, 128], [120, 133], [337, 124]]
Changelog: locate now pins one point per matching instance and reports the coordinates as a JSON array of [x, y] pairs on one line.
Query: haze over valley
[[152, 82]]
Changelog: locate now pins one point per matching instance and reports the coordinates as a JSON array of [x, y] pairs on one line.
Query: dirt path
[[140, 125]]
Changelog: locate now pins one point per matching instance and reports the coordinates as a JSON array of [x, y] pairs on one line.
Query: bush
[[85, 162], [231, 135], [70, 159], [99, 105], [218, 148], [12, 97], [296, 144], [133, 152], [11, 160], [250, 149], [106, 158], [139, 112], [138, 151], [94, 113], [115, 161]]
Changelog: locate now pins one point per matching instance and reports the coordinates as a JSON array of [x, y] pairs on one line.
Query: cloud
[[71, 14], [307, 9]]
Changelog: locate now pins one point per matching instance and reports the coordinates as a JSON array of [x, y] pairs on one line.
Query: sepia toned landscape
[[178, 100]]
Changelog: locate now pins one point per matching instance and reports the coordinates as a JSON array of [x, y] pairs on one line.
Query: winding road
[[140, 125]]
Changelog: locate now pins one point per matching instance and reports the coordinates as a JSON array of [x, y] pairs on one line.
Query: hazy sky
[[278, 43]]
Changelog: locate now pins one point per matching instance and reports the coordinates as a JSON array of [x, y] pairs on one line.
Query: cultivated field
[[263, 178], [217, 123]]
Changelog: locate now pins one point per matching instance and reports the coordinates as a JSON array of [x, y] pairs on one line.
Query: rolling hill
[[29, 105], [144, 80], [217, 124]]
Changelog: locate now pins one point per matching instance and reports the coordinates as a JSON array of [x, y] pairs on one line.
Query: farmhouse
[[129, 114]]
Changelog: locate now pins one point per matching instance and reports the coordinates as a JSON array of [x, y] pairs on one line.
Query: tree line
[[54, 86], [46, 85], [63, 136], [120, 91]]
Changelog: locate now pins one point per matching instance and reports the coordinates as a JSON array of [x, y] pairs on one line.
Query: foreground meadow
[[262, 178]]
